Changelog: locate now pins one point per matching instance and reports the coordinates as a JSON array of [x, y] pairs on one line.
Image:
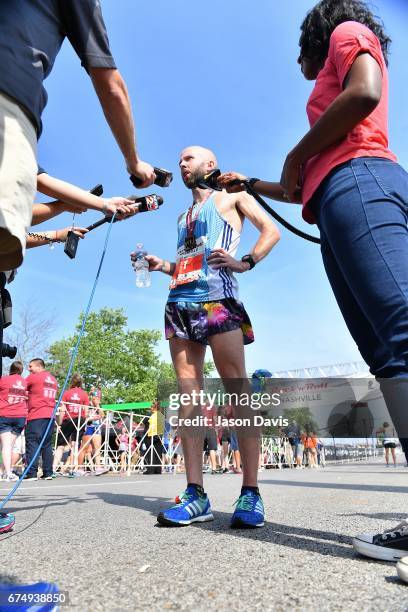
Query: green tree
[[124, 362]]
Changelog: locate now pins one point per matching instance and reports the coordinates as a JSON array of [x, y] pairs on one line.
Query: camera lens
[[8, 351]]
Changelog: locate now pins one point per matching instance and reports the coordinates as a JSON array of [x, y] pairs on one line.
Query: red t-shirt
[[369, 138], [42, 390], [75, 400], [13, 396]]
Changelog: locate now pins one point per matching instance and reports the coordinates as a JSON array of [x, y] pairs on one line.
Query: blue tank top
[[213, 232]]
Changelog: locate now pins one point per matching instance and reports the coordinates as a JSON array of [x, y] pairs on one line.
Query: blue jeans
[[15, 425], [34, 432], [362, 213]]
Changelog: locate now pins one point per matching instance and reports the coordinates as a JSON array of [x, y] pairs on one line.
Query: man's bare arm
[[114, 98]]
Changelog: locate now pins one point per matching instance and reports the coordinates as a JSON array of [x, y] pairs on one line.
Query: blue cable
[[71, 365]]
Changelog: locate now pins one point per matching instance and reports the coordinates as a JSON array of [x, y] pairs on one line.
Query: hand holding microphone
[[126, 206], [163, 178], [139, 204], [143, 172]]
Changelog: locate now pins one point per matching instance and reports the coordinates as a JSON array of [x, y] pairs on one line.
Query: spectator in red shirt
[[13, 414], [42, 390], [73, 414]]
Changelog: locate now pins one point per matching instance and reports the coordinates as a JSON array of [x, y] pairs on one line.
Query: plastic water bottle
[[141, 266]]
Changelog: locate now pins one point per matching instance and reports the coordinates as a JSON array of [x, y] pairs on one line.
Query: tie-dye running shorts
[[197, 321]]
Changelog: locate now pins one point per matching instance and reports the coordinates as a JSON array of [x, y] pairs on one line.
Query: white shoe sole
[[198, 519], [377, 552], [402, 569]]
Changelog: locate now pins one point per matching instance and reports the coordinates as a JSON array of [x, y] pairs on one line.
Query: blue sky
[[223, 75]]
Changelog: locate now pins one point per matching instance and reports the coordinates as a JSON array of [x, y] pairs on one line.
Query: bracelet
[[45, 236], [163, 266], [105, 206]]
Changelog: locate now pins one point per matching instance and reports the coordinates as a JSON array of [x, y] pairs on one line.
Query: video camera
[[8, 351]]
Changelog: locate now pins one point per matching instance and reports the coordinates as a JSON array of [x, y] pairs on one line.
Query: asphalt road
[[97, 538]]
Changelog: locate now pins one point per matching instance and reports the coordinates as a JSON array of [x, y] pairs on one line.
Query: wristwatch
[[249, 259]]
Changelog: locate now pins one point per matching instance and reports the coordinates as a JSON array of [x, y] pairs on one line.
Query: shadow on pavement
[[53, 500], [274, 533], [383, 516], [341, 486]]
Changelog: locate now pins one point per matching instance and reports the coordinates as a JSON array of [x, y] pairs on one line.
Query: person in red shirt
[[73, 413], [13, 414], [351, 186], [42, 390]]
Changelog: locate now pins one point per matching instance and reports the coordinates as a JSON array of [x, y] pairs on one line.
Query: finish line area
[[98, 540]]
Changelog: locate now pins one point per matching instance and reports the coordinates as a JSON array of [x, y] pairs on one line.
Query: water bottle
[[141, 266]]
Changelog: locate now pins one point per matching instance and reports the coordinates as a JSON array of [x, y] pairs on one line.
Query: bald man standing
[[203, 308]]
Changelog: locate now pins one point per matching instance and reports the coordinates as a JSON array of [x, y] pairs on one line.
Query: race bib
[[189, 263]]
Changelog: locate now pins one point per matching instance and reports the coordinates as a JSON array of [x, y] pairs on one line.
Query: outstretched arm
[[36, 239], [232, 183], [70, 197], [114, 98]]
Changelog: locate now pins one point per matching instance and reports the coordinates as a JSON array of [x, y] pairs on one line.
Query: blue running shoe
[[191, 509], [6, 522], [249, 511]]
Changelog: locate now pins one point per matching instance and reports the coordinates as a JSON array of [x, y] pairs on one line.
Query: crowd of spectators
[[146, 443], [26, 409]]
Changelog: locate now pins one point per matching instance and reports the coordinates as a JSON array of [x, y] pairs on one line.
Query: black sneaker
[[390, 545]]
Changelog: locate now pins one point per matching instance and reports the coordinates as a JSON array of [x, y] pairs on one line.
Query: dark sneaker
[[390, 545]]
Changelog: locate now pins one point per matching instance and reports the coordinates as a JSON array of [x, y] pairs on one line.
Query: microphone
[[146, 203], [143, 204], [163, 178]]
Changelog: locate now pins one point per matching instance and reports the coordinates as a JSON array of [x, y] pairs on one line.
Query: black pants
[[154, 452], [34, 432]]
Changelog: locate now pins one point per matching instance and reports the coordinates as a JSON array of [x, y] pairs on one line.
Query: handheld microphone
[[210, 180], [144, 204], [163, 178]]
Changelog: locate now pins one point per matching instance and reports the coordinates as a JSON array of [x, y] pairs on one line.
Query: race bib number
[[189, 263]]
